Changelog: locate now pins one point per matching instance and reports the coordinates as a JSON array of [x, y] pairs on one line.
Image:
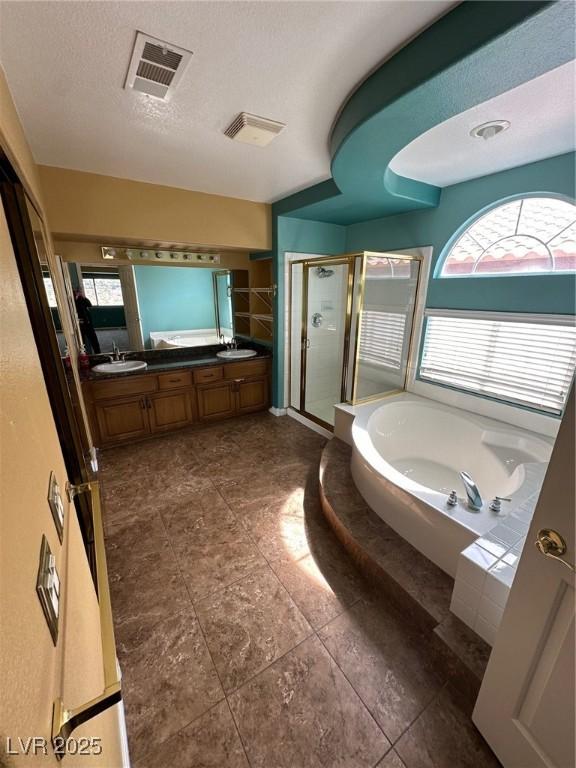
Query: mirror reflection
[[153, 307]]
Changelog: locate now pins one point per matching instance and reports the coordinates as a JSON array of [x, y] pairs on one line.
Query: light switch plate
[[48, 588], [56, 505]]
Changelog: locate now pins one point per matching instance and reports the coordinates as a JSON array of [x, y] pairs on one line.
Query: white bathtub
[[202, 337], [407, 454]]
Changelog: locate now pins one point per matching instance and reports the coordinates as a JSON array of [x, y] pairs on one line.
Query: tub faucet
[[474, 498]]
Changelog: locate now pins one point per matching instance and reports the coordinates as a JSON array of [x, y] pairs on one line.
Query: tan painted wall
[[32, 670], [87, 205]]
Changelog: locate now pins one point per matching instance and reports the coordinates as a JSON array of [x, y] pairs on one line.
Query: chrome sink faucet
[[116, 355], [474, 498]]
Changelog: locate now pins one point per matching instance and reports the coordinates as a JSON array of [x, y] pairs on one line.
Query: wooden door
[[525, 709], [121, 420], [169, 411], [251, 394], [216, 401]]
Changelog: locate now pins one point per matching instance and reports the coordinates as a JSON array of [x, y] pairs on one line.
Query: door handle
[[142, 403], [551, 544], [148, 403]]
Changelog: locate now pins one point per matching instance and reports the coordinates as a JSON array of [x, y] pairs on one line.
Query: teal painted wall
[[174, 298], [296, 236], [459, 204], [436, 227]]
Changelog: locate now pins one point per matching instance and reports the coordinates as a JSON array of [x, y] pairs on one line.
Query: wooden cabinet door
[[122, 420], [169, 411], [216, 401], [251, 395]]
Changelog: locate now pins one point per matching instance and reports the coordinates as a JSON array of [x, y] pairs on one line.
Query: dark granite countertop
[[172, 359]]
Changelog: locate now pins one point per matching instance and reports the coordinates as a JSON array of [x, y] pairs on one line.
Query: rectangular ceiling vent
[[156, 67], [251, 129]]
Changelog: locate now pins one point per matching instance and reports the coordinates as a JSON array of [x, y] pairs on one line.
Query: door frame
[[307, 264], [218, 273], [354, 308], [14, 198]]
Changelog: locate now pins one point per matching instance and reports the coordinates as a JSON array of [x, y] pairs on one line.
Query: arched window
[[530, 235]]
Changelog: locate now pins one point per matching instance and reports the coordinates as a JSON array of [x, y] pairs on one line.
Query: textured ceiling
[[542, 124], [295, 62]]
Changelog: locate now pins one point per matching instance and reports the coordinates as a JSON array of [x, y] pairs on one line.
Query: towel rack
[[64, 720]]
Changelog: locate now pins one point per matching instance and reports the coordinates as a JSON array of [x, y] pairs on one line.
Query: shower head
[[323, 272]]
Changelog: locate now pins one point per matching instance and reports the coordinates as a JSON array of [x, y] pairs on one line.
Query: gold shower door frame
[[352, 314]]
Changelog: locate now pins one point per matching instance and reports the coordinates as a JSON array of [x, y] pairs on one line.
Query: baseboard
[[277, 411], [310, 424]]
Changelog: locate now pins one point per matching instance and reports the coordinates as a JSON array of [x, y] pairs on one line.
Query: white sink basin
[[236, 354], [120, 366]]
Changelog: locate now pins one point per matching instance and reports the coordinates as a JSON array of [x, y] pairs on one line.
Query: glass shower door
[[384, 306], [325, 331]]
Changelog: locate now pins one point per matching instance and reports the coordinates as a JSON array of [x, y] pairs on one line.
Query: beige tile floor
[[245, 635]]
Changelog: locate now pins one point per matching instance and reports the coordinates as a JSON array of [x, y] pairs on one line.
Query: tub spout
[[474, 498]]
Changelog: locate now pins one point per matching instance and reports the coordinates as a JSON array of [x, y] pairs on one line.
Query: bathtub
[[407, 453], [202, 337]]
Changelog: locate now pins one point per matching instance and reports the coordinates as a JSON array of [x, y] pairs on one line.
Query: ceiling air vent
[[156, 67], [252, 129]]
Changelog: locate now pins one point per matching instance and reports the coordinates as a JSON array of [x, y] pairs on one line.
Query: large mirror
[[149, 306]]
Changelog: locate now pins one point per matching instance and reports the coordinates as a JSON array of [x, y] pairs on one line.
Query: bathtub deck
[[415, 585]]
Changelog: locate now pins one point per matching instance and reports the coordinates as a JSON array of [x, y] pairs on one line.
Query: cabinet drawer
[[207, 375], [174, 380], [108, 390], [242, 370]]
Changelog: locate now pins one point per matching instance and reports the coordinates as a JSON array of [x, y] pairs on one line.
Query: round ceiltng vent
[[489, 130]]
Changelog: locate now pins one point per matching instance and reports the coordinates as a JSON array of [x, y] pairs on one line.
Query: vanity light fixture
[[489, 130], [136, 254]]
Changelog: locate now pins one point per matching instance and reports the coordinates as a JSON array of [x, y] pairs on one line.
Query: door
[[34, 669], [31, 250], [131, 308], [223, 303], [169, 411], [120, 420], [216, 401], [325, 337], [251, 394], [525, 709]]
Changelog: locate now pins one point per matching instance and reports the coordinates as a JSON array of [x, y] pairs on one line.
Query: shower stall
[[351, 321]]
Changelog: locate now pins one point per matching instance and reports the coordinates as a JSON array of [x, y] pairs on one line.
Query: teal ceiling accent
[[477, 51]]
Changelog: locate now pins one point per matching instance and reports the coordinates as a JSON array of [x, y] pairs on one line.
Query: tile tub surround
[[486, 571], [245, 635]]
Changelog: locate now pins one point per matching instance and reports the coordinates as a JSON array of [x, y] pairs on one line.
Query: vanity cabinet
[[216, 401], [135, 407], [251, 395], [121, 420], [169, 411]]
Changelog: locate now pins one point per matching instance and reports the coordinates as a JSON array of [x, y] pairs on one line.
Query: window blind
[[382, 338], [524, 362]]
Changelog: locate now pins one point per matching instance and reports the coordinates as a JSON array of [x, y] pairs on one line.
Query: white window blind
[[525, 360], [382, 338]]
